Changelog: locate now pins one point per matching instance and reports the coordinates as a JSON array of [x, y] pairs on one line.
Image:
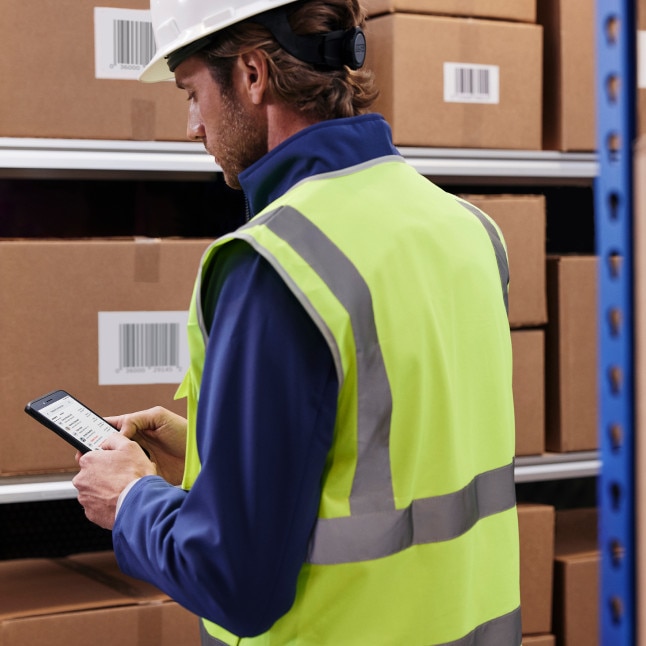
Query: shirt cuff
[[124, 493]]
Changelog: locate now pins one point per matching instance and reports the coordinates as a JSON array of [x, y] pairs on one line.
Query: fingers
[[114, 441], [151, 419]]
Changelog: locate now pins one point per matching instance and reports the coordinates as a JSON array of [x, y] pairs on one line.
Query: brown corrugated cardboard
[[571, 354], [76, 600], [49, 84], [51, 293], [528, 347], [536, 530], [539, 640], [32, 587], [159, 624], [576, 578], [520, 10], [522, 221], [569, 97], [437, 80]]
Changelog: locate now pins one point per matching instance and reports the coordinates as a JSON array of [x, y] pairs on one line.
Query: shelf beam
[[37, 488], [551, 466], [48, 158]]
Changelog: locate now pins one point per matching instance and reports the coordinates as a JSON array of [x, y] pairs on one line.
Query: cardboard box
[[576, 578], [515, 10], [50, 83], [64, 602], [641, 67], [569, 97], [457, 82], [528, 382], [571, 354], [539, 640], [521, 219], [51, 294], [536, 530]]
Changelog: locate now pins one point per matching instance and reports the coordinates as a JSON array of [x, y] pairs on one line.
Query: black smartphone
[[72, 420]]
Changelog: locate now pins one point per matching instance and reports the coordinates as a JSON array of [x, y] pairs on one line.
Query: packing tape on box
[[147, 260], [142, 119], [99, 576]]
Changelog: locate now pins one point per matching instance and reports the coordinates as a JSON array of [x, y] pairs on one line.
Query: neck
[[283, 122]]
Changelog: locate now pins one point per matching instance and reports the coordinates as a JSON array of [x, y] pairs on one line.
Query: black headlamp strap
[[333, 50]]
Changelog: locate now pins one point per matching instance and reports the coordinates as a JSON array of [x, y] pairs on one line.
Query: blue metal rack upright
[[616, 80]]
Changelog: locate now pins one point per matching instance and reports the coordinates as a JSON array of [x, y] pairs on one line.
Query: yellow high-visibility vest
[[416, 541]]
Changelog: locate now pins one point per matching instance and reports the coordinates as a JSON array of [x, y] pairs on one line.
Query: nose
[[195, 126]]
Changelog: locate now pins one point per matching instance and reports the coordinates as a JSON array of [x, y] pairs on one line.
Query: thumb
[[114, 441]]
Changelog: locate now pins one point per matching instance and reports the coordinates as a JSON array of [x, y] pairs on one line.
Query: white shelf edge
[[557, 466], [80, 155], [551, 466], [38, 488]]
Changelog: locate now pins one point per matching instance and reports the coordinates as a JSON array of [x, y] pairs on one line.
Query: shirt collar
[[322, 148]]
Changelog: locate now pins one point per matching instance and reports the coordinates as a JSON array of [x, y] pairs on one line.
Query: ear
[[254, 74]]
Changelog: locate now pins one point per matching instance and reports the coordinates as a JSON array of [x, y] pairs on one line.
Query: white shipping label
[[471, 83], [641, 59], [142, 348], [124, 42]]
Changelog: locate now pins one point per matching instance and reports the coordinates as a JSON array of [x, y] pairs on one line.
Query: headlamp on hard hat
[[332, 50]]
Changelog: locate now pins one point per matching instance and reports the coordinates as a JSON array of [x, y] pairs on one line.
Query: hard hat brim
[[157, 69]]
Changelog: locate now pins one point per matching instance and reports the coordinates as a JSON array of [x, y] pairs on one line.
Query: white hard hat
[[177, 23]]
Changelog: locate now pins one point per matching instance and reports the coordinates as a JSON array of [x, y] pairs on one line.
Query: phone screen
[[75, 419]]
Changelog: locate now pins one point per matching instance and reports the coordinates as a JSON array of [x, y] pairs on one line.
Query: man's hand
[[163, 434], [105, 474]]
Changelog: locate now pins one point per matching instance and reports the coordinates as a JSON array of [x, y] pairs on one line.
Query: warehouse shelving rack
[[79, 158], [610, 175], [613, 193], [76, 159]]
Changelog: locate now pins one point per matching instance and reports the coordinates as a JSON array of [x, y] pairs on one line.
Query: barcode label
[[124, 42], [134, 43], [470, 83], [148, 345], [142, 347]]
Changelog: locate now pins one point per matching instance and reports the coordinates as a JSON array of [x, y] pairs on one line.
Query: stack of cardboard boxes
[[70, 71], [456, 75], [521, 219], [83, 599], [552, 313], [501, 74], [64, 303], [559, 576], [484, 74]]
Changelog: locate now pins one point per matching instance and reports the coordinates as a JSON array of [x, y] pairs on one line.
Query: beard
[[241, 138]]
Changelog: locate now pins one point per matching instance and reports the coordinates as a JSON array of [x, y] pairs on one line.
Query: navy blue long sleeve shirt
[[230, 549]]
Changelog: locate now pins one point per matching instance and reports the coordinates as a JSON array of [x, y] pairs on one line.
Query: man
[[346, 466]]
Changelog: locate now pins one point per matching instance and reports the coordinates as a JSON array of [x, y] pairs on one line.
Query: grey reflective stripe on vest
[[372, 486], [498, 247], [209, 640], [426, 520], [501, 631], [375, 527]]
